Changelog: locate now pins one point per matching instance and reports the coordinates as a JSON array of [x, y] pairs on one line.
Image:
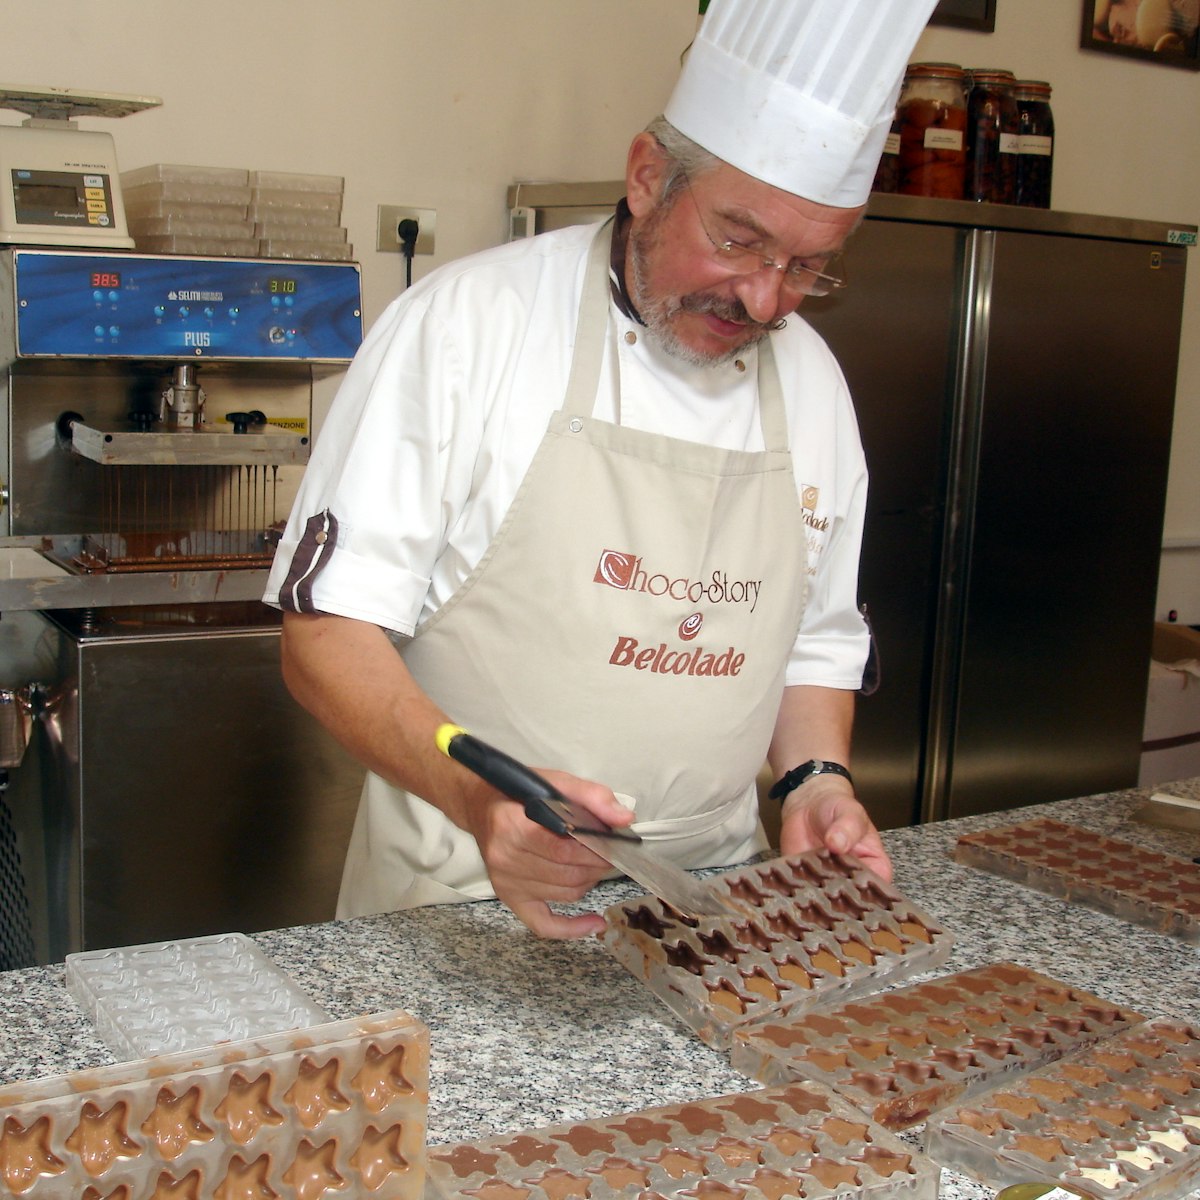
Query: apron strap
[[592, 325]]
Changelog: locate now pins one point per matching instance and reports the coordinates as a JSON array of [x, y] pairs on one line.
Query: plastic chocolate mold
[[169, 996], [1142, 886], [798, 1140], [905, 1053], [1119, 1117], [816, 927], [331, 1111]]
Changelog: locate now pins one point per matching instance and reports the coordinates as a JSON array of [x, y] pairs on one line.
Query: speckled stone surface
[[526, 1032]]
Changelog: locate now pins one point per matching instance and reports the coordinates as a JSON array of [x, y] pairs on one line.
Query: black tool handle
[[543, 802]]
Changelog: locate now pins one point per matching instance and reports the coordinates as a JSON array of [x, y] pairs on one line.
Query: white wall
[[442, 103]]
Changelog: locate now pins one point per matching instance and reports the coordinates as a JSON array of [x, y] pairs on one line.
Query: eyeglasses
[[797, 275]]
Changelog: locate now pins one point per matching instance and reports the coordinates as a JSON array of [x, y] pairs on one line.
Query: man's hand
[[823, 811], [530, 867]]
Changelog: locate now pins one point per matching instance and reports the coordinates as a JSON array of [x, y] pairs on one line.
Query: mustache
[[726, 310]]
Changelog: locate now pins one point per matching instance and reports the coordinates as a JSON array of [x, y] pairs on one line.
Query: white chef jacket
[[446, 402]]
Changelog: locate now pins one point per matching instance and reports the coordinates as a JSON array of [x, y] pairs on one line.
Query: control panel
[[86, 305]]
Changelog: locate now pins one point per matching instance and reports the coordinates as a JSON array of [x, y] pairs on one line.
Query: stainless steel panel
[[893, 331], [1076, 414], [191, 794]]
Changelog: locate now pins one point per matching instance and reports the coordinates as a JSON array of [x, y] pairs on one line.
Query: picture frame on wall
[[966, 14], [1164, 32]]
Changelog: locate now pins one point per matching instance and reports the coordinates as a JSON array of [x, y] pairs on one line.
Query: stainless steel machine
[[155, 417]]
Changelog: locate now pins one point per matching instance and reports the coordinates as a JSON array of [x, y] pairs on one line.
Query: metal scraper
[[547, 806]]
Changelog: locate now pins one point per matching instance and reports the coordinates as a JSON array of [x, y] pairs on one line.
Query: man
[[648, 587]]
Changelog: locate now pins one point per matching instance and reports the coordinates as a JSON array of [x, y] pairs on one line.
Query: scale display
[[81, 305]]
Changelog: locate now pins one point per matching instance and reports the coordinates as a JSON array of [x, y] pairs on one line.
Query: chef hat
[[798, 93]]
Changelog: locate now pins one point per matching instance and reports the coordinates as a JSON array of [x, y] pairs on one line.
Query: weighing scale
[[59, 185]]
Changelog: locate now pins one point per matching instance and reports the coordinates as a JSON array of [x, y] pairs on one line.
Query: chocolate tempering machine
[[154, 422]]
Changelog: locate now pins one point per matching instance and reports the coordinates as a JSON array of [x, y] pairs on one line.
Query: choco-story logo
[[627, 573]]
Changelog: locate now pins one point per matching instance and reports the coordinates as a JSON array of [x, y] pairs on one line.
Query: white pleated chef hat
[[798, 93]]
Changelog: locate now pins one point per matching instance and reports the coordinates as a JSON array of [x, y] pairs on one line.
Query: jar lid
[[1034, 85], [992, 75], [934, 70]]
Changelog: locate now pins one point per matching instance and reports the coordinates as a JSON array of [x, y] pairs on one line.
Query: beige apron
[[630, 623]]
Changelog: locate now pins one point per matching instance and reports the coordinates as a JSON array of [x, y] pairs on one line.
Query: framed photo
[[966, 14], [1166, 32]]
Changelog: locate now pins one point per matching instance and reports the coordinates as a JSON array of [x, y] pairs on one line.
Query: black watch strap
[[786, 784]]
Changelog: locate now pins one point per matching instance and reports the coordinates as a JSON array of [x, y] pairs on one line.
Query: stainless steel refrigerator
[[1014, 375]]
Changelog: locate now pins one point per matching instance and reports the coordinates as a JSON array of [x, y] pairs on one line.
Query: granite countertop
[[526, 1032]]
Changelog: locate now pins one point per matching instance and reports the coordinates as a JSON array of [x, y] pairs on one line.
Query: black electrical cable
[[407, 231]]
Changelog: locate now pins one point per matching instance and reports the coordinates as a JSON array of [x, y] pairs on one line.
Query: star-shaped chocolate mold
[[101, 1137], [379, 1155], [733, 1152], [313, 1172], [641, 1131], [122, 1192], [246, 1180], [713, 1189], [619, 1174], [175, 1122], [559, 1184], [833, 1174], [884, 1162], [25, 1153], [315, 1093], [525, 1150], [749, 1109], [498, 1189], [586, 1139], [678, 1163], [381, 1078], [466, 1161], [169, 1188], [774, 1185], [247, 1106]]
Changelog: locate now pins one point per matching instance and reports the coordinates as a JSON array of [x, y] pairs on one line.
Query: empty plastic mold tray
[[168, 996], [905, 1053], [798, 1140], [1142, 886], [335, 1111], [1118, 1118], [817, 927]]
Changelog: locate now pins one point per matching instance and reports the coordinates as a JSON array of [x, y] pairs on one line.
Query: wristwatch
[[786, 784]]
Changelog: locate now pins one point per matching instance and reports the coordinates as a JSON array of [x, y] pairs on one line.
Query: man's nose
[[764, 295]]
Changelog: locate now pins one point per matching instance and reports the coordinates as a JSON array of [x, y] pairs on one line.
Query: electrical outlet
[[390, 216]]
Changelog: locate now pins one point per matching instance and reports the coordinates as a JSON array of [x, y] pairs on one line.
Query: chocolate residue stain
[[100, 1138], [381, 1079], [884, 1162], [783, 924], [698, 1120], [754, 935], [379, 1155], [175, 1122], [642, 1131], [678, 1164], [684, 956], [826, 961], [916, 931], [834, 1174], [852, 948], [586, 1139], [498, 1189], [25, 1153], [759, 983], [885, 939], [1051, 1089], [844, 1132], [525, 1151], [718, 944], [790, 1142], [619, 1173], [873, 1083], [313, 1173], [750, 1111], [645, 921], [559, 1184], [793, 972], [774, 1185], [723, 995], [869, 1048], [466, 1161], [827, 1060], [1020, 1106], [247, 1108], [1045, 1148], [315, 1093], [734, 1153]]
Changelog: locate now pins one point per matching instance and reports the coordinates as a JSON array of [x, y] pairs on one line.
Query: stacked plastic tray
[[177, 209], [780, 1142], [170, 996], [1117, 1119], [906, 1053], [803, 931], [332, 1111]]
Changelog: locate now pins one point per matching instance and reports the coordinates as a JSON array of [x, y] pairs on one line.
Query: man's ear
[[645, 174]]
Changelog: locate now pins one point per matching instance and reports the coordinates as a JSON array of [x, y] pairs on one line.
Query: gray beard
[[657, 314]]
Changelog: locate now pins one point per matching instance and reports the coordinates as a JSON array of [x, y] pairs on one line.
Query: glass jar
[[887, 174], [993, 130], [932, 111], [1035, 150]]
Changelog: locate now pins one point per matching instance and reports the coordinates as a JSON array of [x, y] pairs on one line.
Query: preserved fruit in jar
[[932, 112], [1035, 157], [993, 129]]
